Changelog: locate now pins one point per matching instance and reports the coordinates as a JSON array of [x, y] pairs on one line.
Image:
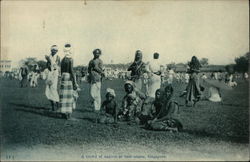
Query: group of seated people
[[159, 113]]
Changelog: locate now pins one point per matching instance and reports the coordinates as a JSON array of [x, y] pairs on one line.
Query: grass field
[[212, 131]]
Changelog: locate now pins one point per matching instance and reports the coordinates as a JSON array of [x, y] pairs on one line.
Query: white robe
[[186, 78], [154, 80], [51, 89], [33, 81]]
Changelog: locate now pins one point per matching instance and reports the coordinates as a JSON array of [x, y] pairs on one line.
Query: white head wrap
[[111, 91], [67, 51], [54, 47], [131, 83]]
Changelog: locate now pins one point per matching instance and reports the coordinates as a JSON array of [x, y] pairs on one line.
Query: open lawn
[[212, 131]]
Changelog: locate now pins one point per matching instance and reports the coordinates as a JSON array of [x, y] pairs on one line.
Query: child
[[129, 111], [108, 108], [75, 96]]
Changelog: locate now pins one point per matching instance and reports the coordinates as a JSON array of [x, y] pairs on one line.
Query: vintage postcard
[[130, 80]]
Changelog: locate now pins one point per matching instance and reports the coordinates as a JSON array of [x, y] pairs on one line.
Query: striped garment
[[66, 94]]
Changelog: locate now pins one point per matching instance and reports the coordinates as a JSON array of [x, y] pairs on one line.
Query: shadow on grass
[[29, 106], [45, 111], [37, 110], [238, 139], [92, 120], [84, 110]]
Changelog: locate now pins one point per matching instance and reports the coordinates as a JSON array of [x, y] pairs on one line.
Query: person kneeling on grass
[[167, 117], [131, 103], [108, 113]]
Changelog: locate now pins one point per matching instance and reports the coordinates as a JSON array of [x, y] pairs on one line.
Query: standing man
[[24, 76], [53, 64], [35, 76], [154, 75], [137, 69], [96, 73]]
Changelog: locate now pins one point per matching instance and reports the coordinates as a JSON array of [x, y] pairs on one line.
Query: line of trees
[[31, 61], [241, 64]]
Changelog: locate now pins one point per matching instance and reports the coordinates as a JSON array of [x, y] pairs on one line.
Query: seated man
[[166, 117], [131, 103]]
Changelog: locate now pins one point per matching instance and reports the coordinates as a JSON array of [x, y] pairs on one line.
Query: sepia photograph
[[124, 80]]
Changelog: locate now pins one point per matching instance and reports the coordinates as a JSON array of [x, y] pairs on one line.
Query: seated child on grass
[[108, 112]]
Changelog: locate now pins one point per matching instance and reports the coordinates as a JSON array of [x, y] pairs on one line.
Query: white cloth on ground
[[214, 95]]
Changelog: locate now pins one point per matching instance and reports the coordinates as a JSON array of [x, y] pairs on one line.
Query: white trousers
[[95, 92]]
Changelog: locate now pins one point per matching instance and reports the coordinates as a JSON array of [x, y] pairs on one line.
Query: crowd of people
[[155, 108]]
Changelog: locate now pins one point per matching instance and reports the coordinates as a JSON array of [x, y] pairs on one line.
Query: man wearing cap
[[96, 72], [53, 58]]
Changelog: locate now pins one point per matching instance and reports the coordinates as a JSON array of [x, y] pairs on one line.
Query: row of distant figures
[[180, 77]]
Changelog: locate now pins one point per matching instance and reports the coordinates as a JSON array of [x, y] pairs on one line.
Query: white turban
[[54, 47], [67, 51], [111, 91], [131, 83]]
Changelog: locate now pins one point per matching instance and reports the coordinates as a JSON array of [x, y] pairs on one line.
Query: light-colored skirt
[[66, 94], [154, 84]]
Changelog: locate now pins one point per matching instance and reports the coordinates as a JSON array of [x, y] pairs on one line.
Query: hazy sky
[[218, 30]]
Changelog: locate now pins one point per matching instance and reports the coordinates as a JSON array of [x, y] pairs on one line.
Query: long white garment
[[154, 80], [95, 92], [186, 78], [214, 95], [51, 85], [53, 59], [34, 78]]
